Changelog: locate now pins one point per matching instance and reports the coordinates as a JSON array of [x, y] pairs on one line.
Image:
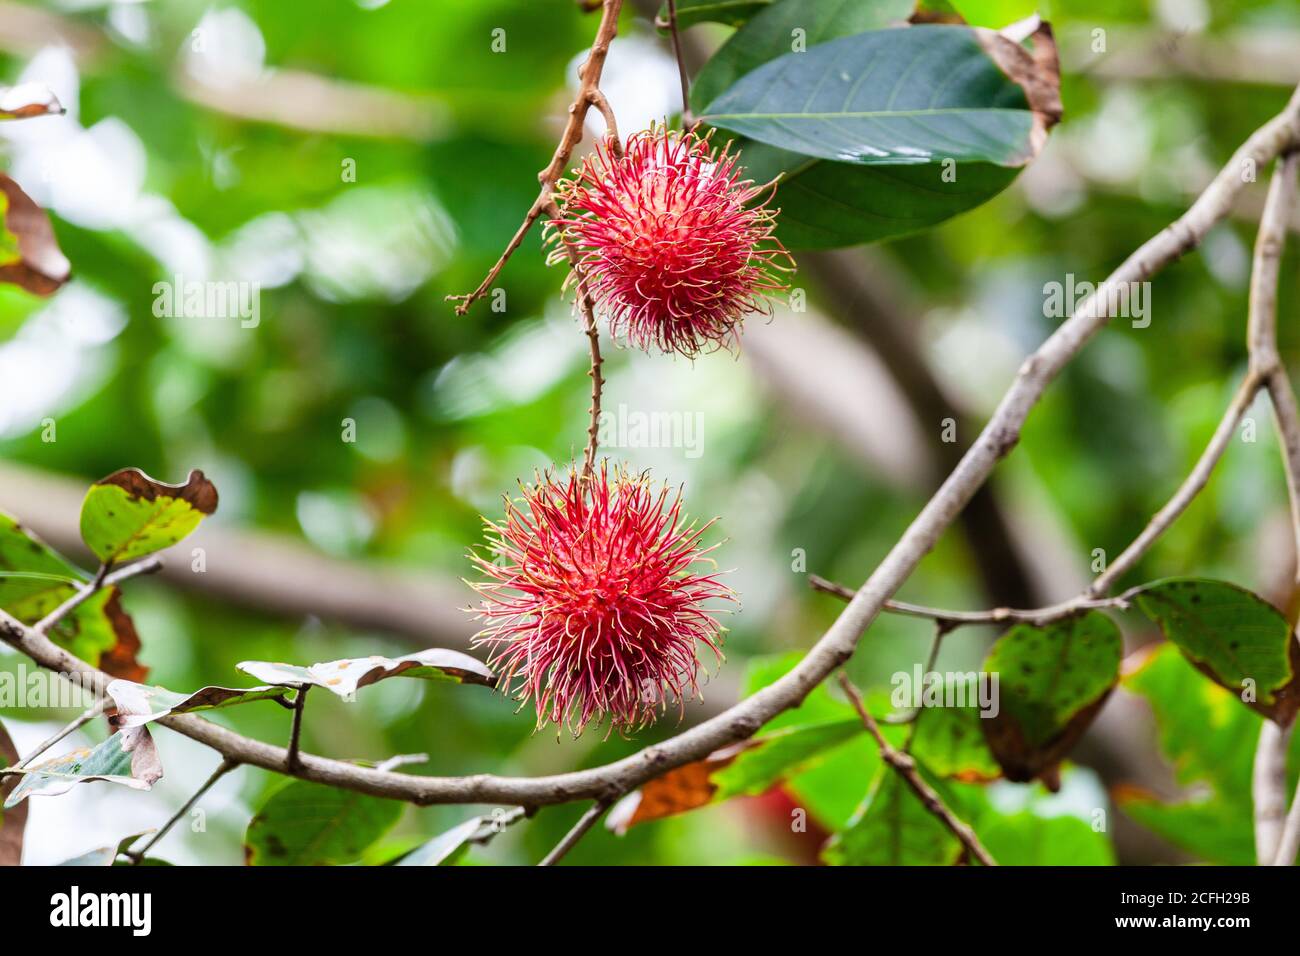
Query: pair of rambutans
[[594, 598]]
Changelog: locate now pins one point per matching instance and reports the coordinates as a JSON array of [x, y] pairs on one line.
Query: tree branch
[[585, 823], [223, 768], [102, 579]]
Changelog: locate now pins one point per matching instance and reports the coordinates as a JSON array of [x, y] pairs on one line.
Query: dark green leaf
[[949, 740], [1234, 637], [1052, 680], [309, 824], [888, 97], [893, 828]]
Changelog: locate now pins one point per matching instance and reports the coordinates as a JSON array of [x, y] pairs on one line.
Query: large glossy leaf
[[309, 824], [139, 703], [896, 97], [770, 32], [129, 758], [34, 580], [1236, 638], [1052, 681], [344, 677], [129, 515]]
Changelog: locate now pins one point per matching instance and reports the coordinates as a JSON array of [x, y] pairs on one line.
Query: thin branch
[[403, 760], [931, 659], [687, 121], [222, 769], [295, 733], [950, 620], [1289, 843], [102, 579], [838, 643], [94, 711], [585, 823], [905, 766], [588, 95]]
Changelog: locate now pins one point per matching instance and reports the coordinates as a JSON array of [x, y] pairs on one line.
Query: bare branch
[[588, 95], [101, 580], [72, 727], [905, 766], [222, 769], [585, 823]]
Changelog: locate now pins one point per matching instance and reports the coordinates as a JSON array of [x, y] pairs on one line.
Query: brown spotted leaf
[[129, 515], [29, 253], [129, 758], [345, 677], [139, 704], [1052, 681]]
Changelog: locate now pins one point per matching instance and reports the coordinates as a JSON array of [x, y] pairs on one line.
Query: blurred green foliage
[[450, 411]]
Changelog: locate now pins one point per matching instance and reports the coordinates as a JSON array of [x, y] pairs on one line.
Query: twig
[[687, 121], [102, 579], [292, 760], [402, 760], [905, 766], [44, 745], [585, 823], [222, 769], [941, 628], [950, 620], [588, 95]]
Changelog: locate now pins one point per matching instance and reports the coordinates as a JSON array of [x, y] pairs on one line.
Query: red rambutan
[[593, 606], [675, 248]]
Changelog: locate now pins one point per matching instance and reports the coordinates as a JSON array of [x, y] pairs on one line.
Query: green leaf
[[950, 740], [139, 703], [128, 758], [345, 677], [1027, 839], [129, 515], [826, 205], [780, 754], [1052, 681], [888, 97], [893, 828], [29, 253], [309, 824], [34, 580], [1232, 636], [731, 12], [768, 35], [1210, 739]]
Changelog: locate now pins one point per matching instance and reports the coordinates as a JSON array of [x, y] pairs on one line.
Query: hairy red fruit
[[674, 247], [593, 603]]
